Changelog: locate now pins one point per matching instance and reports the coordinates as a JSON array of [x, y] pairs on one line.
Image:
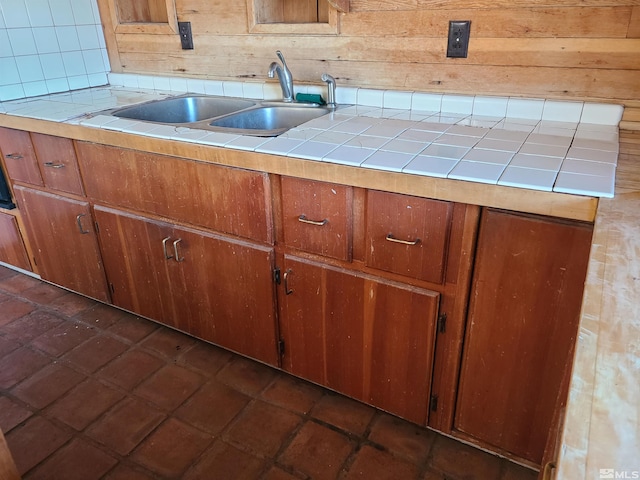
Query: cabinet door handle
[[303, 219], [287, 291], [14, 156], [53, 165], [177, 257], [79, 222], [164, 248], [393, 239]]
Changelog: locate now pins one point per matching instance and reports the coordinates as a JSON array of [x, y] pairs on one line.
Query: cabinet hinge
[[97, 227], [281, 347], [442, 323], [111, 287], [433, 403], [276, 276]]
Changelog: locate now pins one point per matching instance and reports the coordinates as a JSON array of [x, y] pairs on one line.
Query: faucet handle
[[281, 57]]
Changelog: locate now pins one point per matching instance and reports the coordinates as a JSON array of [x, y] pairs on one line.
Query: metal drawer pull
[[287, 291], [164, 248], [79, 222], [319, 223], [14, 156], [53, 165], [177, 258], [393, 239]]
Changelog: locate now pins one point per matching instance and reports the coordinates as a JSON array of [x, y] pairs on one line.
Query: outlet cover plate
[[458, 42], [186, 38]]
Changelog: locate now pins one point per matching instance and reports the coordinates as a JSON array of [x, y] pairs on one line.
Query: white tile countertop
[[568, 147]]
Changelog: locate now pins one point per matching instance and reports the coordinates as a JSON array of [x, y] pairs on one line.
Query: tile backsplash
[[50, 46]]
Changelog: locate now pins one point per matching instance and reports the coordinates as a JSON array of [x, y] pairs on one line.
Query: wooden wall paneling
[[634, 23]]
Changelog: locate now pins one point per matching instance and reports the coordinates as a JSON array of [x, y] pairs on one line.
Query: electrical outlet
[[458, 43], [184, 28]]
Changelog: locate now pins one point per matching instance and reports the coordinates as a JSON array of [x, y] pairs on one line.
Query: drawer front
[[58, 163], [408, 235], [317, 217], [19, 156]]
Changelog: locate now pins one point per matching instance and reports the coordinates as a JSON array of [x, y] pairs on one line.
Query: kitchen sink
[[270, 120], [184, 109], [224, 114]]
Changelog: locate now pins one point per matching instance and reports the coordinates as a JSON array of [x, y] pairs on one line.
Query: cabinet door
[[525, 305], [408, 235], [12, 250], [317, 217], [58, 164], [360, 335], [214, 287], [62, 235], [19, 156]]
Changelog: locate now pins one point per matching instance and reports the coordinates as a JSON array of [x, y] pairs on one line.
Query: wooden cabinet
[[12, 249], [408, 235], [63, 238], [364, 336], [58, 164], [217, 288], [224, 199], [523, 316], [19, 156], [317, 217]]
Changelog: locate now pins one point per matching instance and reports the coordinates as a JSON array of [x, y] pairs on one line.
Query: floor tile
[[11, 414], [458, 460], [44, 293], [172, 448], [31, 326], [402, 438], [344, 413], [133, 328], [7, 346], [14, 308], [213, 407], [35, 441], [227, 462], [206, 358], [63, 338], [20, 364], [168, 342], [131, 368], [123, 428], [317, 451], [276, 473], [71, 304], [125, 472], [169, 386], [293, 394], [246, 376], [76, 461], [18, 283], [263, 428], [511, 471], [47, 385], [95, 353], [100, 316], [374, 464], [85, 403]]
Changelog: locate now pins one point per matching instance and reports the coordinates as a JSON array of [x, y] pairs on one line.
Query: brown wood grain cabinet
[[58, 164], [217, 288], [64, 241], [19, 156], [12, 248], [523, 316]]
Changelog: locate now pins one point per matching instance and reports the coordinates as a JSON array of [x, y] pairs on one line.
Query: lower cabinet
[[364, 336], [214, 287], [64, 241], [12, 249], [526, 296]]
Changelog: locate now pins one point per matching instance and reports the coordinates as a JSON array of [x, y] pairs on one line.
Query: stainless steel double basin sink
[[225, 114]]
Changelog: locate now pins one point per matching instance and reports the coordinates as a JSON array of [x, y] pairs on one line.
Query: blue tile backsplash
[[50, 46]]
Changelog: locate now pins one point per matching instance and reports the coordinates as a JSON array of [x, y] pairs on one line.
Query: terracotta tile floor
[[91, 392]]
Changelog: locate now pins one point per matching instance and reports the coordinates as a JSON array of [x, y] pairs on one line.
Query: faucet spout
[[284, 76], [331, 90]]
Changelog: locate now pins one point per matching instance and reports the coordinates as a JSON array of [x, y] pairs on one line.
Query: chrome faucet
[[285, 77], [331, 90]]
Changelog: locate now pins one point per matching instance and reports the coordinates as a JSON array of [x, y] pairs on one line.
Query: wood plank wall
[[563, 49]]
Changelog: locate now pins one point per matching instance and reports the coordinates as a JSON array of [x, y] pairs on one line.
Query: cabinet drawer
[[19, 156], [317, 217], [407, 235], [229, 200], [58, 163]]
